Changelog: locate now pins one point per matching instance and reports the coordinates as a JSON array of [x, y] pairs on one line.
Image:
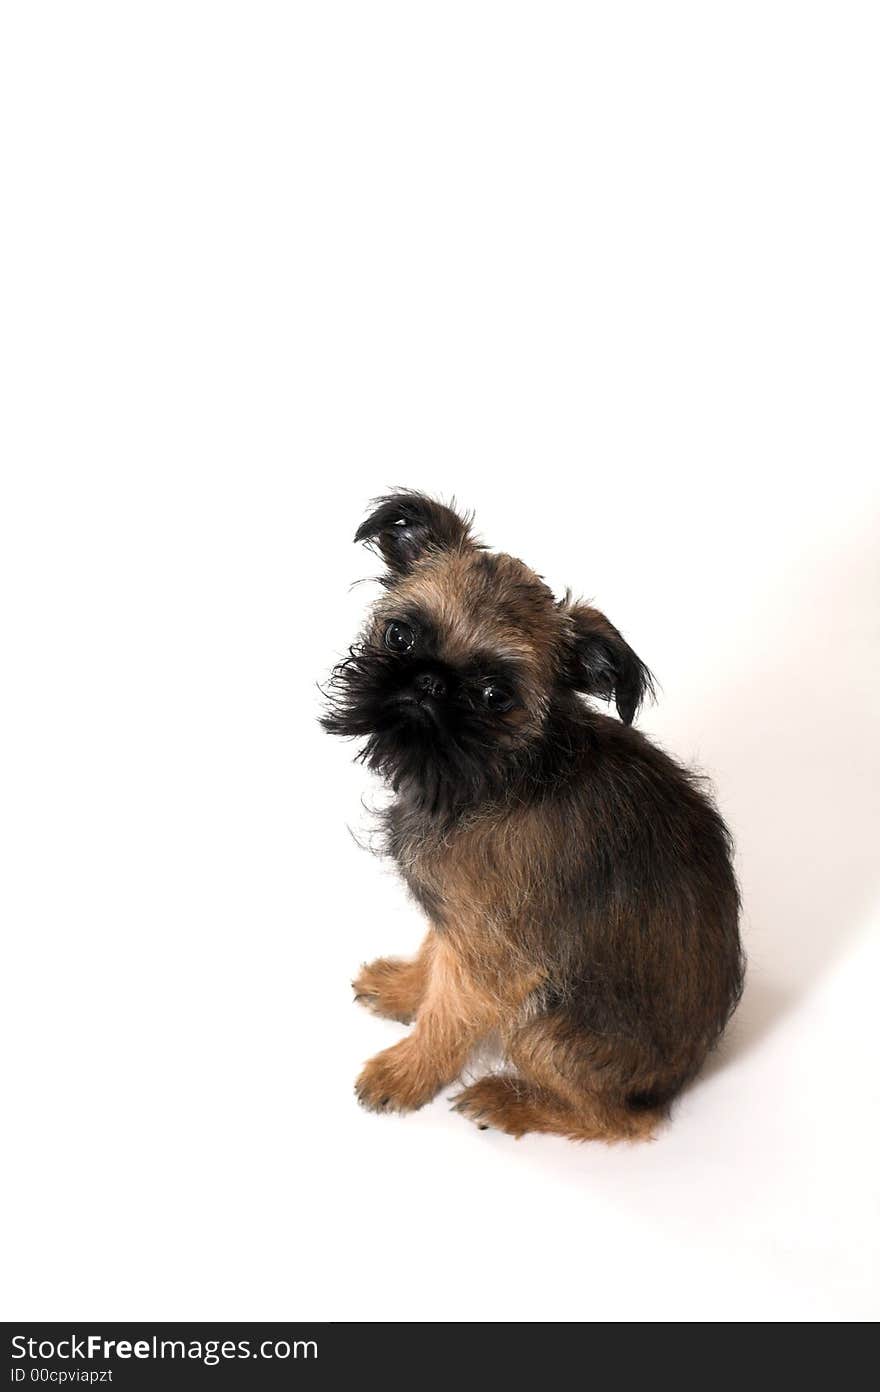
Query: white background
[[609, 273]]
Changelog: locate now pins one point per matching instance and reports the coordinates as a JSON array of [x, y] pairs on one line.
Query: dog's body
[[577, 881]]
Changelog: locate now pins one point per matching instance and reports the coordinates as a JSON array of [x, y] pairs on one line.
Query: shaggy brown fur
[[578, 881]]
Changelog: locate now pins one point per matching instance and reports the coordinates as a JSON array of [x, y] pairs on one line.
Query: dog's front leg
[[456, 1013]]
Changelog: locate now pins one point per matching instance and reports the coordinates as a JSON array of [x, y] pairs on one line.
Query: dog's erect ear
[[601, 663], [406, 525]]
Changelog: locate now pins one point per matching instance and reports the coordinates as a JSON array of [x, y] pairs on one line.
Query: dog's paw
[[498, 1101], [388, 988], [393, 1081]]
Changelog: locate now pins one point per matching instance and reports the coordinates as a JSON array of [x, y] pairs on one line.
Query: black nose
[[430, 684]]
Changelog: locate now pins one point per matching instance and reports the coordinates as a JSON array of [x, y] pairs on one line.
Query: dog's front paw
[[396, 1081], [389, 988]]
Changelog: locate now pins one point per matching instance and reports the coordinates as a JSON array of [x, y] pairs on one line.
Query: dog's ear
[[599, 662], [406, 525]]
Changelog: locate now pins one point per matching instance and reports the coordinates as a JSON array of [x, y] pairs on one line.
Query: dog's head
[[465, 659]]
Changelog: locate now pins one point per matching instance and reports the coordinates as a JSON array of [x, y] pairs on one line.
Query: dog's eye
[[399, 637], [496, 697]]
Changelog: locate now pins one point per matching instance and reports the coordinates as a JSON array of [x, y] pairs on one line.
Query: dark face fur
[[468, 667]]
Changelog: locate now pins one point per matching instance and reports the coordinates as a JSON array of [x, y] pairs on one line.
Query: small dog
[[578, 882]]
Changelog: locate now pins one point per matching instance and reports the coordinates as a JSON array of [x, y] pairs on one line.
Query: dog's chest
[[453, 869]]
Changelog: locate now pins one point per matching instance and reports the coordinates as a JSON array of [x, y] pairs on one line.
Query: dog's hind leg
[[567, 1082]]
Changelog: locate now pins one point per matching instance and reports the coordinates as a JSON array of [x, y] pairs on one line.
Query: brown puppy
[[577, 881]]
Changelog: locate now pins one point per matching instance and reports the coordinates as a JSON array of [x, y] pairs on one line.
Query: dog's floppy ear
[[406, 525], [600, 663]]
